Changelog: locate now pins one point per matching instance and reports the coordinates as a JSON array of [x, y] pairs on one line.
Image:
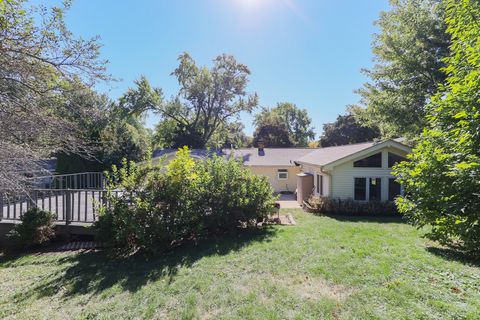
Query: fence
[[69, 205], [84, 180]]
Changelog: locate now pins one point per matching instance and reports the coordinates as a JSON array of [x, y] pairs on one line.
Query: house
[[358, 171], [362, 171]]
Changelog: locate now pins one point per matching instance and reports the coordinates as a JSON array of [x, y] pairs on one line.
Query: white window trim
[[282, 172], [319, 184]]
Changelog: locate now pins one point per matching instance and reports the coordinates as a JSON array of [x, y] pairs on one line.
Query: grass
[[323, 268]]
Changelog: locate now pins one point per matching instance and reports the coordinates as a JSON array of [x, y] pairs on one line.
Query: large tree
[[442, 179], [408, 52], [208, 99], [40, 59], [287, 117], [346, 130]]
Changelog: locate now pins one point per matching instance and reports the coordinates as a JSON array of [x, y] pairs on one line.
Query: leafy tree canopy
[[208, 100], [443, 177], [40, 60], [346, 130], [408, 53], [292, 124]]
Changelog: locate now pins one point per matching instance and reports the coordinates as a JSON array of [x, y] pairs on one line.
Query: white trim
[[367, 187], [282, 172]]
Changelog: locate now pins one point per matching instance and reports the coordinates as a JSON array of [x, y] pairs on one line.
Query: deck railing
[[83, 180], [69, 205]]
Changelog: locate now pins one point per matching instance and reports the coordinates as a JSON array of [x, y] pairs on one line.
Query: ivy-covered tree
[[408, 54], [442, 179]]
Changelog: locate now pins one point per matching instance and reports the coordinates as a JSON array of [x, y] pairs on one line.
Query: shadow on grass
[[92, 272], [366, 218], [453, 254]]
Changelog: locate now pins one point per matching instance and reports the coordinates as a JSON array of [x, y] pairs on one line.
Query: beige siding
[[271, 173], [342, 176]]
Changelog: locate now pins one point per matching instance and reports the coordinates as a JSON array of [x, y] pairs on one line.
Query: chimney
[[261, 145]]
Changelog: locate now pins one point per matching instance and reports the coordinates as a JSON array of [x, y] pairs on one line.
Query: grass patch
[[323, 268]]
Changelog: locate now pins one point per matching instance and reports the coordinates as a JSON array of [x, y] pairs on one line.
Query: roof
[[250, 156], [269, 156], [329, 155], [290, 156]]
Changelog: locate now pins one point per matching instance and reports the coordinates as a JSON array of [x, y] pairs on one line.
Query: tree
[[111, 130], [207, 100], [230, 135], [346, 130], [286, 116], [442, 178], [40, 60], [272, 135], [408, 52]]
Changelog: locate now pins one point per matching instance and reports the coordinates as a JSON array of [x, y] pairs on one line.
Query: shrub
[[327, 205], [37, 227], [161, 205]]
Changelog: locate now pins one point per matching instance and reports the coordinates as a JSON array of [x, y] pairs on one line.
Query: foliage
[[408, 52], [328, 205], [285, 117], [37, 227], [272, 135], [162, 205], [111, 130], [40, 60], [346, 130], [442, 179], [207, 100]]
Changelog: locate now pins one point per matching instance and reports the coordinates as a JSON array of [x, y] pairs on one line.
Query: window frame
[[397, 155], [367, 186], [366, 189], [319, 186], [369, 167], [388, 187], [282, 171]]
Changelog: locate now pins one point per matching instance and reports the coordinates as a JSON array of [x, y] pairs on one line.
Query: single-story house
[[358, 171]]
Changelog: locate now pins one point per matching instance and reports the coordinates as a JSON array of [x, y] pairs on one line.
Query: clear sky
[[308, 52]]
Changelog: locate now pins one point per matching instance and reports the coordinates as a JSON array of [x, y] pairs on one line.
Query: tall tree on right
[[408, 52], [442, 180]]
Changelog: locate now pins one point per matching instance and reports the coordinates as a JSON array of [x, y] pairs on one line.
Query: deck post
[[68, 207], [1, 206]]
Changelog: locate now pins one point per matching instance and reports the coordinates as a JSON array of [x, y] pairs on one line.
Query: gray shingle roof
[[324, 156], [283, 156], [269, 156]]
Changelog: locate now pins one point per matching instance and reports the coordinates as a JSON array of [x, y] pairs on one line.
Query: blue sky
[[308, 52]]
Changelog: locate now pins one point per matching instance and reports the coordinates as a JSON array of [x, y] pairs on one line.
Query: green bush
[[37, 227], [157, 206], [327, 205]]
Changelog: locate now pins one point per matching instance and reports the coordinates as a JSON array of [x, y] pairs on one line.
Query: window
[[374, 161], [394, 189], [320, 184], [282, 174], [360, 189], [393, 159], [375, 189]]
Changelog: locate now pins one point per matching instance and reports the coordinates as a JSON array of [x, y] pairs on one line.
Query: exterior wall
[[271, 173], [314, 170], [342, 182]]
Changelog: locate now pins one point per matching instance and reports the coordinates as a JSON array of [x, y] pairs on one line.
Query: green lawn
[[322, 268]]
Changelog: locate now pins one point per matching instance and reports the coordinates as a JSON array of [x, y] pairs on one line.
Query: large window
[[282, 174], [375, 189], [360, 189], [394, 189], [393, 159], [320, 184], [374, 161]]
